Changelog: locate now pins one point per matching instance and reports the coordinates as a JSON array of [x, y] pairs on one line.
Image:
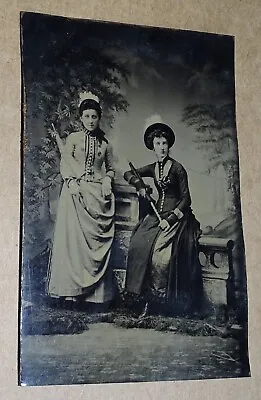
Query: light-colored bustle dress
[[84, 229]]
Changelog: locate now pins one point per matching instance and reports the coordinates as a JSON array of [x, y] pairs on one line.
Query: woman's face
[[90, 119], [161, 147]]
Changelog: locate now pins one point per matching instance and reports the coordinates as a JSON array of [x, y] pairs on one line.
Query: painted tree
[[62, 65], [215, 129]]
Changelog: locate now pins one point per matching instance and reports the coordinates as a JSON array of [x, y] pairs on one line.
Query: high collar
[[163, 162], [98, 133], [91, 133]]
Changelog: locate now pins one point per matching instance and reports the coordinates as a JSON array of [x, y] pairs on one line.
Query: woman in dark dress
[[163, 265]]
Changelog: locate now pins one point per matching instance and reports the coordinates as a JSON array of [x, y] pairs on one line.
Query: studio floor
[[107, 353]]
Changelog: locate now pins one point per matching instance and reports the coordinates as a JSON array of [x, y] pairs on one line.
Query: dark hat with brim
[[159, 126]]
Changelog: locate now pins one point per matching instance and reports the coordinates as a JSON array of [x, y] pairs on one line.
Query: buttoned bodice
[[83, 157], [170, 179]]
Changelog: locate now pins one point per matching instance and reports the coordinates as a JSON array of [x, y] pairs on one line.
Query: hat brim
[[163, 127]]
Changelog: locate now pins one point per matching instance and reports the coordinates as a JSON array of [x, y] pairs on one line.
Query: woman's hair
[[90, 104], [157, 133]]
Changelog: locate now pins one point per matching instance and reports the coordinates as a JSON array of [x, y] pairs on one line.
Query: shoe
[[70, 298], [69, 303]]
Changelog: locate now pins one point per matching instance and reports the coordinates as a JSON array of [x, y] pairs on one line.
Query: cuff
[[69, 180], [175, 216], [178, 213]]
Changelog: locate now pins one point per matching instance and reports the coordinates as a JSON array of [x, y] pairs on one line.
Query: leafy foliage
[[216, 135], [64, 63], [64, 69]]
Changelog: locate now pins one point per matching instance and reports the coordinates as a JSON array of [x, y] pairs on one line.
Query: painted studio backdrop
[[141, 75]]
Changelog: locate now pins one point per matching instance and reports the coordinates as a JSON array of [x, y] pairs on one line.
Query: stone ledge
[[216, 243]]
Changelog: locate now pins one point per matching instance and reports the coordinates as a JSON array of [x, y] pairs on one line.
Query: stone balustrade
[[216, 258]]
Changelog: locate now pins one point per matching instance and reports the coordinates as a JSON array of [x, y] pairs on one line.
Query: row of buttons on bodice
[[90, 155], [163, 190]]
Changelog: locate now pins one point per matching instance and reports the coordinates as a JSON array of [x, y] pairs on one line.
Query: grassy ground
[[62, 345], [107, 353], [45, 318]]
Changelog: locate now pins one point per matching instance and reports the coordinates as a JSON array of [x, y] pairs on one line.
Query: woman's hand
[[106, 187], [74, 188], [164, 225], [142, 192]]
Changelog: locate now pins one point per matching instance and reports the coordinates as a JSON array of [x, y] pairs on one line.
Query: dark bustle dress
[[163, 266]]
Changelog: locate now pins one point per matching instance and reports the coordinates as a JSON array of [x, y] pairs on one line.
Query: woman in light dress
[[79, 265]]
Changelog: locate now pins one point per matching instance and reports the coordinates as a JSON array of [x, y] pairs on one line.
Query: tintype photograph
[[132, 264]]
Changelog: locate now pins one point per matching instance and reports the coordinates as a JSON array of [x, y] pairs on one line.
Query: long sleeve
[[69, 167], [185, 199], [184, 189], [109, 161], [144, 172]]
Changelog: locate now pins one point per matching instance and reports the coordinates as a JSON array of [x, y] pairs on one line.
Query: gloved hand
[[143, 192], [164, 225], [106, 187], [74, 187]]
